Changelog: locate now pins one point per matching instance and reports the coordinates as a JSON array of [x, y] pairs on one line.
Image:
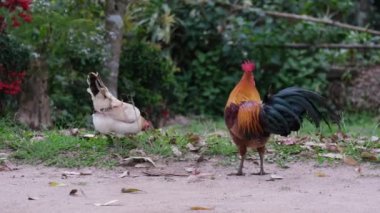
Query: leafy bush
[[211, 38], [147, 78]]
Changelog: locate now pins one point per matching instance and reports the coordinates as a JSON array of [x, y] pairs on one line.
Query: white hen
[[112, 115]]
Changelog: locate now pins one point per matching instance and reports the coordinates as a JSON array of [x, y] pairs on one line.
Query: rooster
[[250, 121], [112, 115]]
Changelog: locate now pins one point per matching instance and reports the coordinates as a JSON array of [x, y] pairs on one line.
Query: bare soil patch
[[305, 187]]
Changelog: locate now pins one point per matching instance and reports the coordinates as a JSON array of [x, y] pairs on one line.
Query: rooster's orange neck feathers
[[245, 90]]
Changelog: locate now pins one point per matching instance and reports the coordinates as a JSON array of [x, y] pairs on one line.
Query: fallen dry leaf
[[86, 172], [109, 203], [199, 208], [130, 190], [193, 138], [190, 169], [55, 184], [332, 148], [374, 138], [289, 141], [38, 137], [274, 177], [332, 155], [320, 174], [176, 151], [88, 136], [358, 169], [124, 174], [70, 173], [162, 173], [368, 156], [33, 198], [199, 177], [192, 148], [131, 161], [73, 192], [143, 165], [137, 152], [350, 161]]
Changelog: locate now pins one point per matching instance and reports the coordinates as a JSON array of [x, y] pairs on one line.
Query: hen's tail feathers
[[284, 111], [95, 83]]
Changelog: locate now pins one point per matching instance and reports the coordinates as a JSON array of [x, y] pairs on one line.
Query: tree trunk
[[362, 12], [34, 108], [115, 11]]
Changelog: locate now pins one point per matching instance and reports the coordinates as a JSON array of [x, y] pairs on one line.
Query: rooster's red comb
[[248, 66]]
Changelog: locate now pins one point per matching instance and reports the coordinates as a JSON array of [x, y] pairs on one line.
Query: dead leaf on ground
[[193, 138], [162, 173], [86, 172], [274, 177], [200, 177], [176, 151], [56, 184], [200, 208], [109, 203], [190, 169], [73, 192], [358, 169], [70, 173], [70, 132], [288, 141], [143, 165], [320, 174], [333, 148], [368, 156], [131, 161], [332, 155], [192, 148], [137, 152], [88, 136], [350, 161], [38, 137], [310, 145], [130, 190], [7, 166], [374, 138], [33, 198], [124, 174]]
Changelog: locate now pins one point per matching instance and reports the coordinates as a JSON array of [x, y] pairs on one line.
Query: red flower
[[26, 17], [15, 23], [24, 3]]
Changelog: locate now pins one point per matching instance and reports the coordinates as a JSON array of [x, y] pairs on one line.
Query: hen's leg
[[242, 151], [261, 152]]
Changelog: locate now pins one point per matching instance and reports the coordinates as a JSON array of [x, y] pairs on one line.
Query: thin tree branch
[[320, 46], [307, 18]]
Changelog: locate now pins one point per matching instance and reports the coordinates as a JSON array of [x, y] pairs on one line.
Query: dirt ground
[[305, 187]]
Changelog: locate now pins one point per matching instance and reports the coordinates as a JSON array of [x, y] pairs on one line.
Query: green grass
[[57, 149]]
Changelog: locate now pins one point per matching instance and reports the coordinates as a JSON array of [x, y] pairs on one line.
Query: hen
[[112, 115], [250, 121]]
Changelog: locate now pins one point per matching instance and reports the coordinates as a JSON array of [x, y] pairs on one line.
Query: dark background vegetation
[[183, 57]]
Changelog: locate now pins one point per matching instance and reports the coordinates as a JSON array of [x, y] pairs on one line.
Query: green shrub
[[147, 78]]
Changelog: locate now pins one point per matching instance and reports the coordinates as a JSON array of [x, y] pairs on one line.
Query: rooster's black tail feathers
[[283, 112]]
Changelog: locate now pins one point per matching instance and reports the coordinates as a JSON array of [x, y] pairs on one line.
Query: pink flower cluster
[[11, 6], [12, 85]]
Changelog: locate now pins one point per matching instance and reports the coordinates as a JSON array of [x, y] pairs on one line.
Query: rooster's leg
[[242, 151], [261, 152]]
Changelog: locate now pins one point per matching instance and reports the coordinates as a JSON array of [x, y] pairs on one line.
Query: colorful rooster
[[251, 121]]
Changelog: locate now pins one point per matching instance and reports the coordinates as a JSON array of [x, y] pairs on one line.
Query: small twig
[[156, 174]]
